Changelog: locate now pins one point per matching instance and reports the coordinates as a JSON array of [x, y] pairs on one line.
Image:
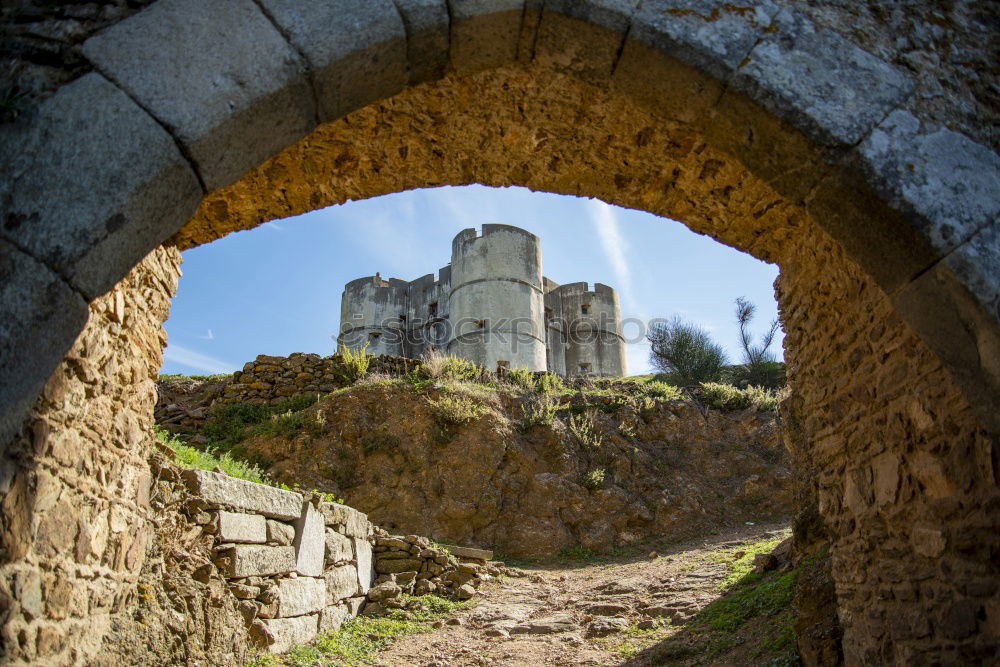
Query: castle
[[492, 306]]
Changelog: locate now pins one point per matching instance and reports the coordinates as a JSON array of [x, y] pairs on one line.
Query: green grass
[[360, 639], [539, 410], [351, 365], [209, 459], [749, 597], [741, 566]]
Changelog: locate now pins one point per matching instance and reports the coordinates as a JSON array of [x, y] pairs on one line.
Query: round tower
[[594, 343], [497, 305], [373, 311]]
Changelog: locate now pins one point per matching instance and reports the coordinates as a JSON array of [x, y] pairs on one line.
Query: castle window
[[548, 314], [480, 324], [583, 368], [374, 335], [585, 309], [432, 309]]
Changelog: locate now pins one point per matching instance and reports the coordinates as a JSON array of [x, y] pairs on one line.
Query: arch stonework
[[760, 126]]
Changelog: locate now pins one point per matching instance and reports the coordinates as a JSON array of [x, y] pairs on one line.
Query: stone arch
[[753, 125]]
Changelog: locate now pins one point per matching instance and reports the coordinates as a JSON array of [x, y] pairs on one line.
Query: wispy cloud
[[275, 226], [196, 360], [609, 232], [208, 336]]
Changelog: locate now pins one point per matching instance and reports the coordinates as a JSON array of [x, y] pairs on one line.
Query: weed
[[440, 366], [351, 365], [582, 428], [209, 459], [360, 639], [728, 397], [662, 391], [454, 409], [549, 383], [627, 430], [539, 411], [522, 378], [593, 479]]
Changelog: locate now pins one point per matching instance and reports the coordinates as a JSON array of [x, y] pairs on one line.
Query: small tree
[[685, 351], [759, 369]]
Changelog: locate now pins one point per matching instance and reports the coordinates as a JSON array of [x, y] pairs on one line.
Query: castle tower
[[373, 311], [497, 305], [594, 344]]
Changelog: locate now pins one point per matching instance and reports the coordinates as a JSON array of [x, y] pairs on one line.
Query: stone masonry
[[854, 145], [299, 566]]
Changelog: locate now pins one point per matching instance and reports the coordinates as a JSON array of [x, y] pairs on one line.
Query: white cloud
[[208, 336], [196, 360], [609, 232], [275, 226]]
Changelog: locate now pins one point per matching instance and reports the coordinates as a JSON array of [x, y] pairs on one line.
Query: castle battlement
[[490, 305]]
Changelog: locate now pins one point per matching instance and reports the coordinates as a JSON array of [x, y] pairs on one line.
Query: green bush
[[522, 378], [209, 459], [593, 479], [582, 428], [549, 383], [454, 409], [351, 365], [662, 391], [685, 351], [539, 411], [226, 423], [440, 366], [728, 397]]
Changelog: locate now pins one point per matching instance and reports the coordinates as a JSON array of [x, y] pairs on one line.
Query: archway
[[730, 121]]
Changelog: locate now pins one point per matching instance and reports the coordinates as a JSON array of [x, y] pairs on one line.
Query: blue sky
[[276, 289]]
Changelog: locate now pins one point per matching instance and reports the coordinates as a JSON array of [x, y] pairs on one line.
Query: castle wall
[[492, 306], [594, 344], [372, 311], [497, 305], [427, 314], [555, 329]]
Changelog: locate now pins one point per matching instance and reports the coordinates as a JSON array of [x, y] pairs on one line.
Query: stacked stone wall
[[298, 565]]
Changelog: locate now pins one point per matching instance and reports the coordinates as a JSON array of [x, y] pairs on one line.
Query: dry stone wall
[[299, 566]]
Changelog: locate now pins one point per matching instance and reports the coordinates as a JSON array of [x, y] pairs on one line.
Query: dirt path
[[580, 614]]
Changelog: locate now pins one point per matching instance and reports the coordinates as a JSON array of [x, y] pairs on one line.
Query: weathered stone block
[[332, 617], [227, 84], [713, 37], [819, 82], [338, 547], [357, 49], [247, 560], [365, 565], [310, 543], [38, 312], [427, 27], [123, 187], [220, 489], [341, 582], [356, 524], [468, 552], [302, 595], [584, 37], [354, 605], [288, 632], [950, 182], [235, 527], [397, 565], [484, 33], [280, 532]]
